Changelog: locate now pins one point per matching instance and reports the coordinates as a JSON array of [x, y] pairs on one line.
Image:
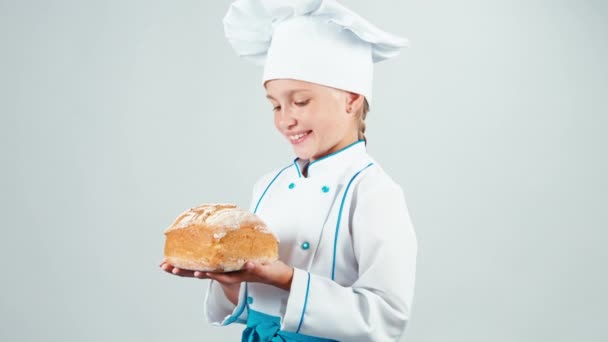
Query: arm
[[221, 306], [221, 298], [226, 295], [377, 306], [220, 311]]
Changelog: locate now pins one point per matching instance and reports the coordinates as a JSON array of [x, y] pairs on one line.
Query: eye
[[274, 109], [302, 103]]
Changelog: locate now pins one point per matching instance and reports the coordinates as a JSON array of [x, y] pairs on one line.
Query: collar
[[334, 162]]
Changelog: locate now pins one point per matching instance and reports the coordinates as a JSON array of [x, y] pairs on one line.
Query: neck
[[340, 146]]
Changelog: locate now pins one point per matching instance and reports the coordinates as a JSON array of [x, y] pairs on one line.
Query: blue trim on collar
[[333, 263], [337, 152], [327, 156], [295, 162], [305, 302]]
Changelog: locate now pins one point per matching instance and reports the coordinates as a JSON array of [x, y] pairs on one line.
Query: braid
[[362, 115]]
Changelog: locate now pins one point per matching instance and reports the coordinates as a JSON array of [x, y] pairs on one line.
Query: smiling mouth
[[298, 138]]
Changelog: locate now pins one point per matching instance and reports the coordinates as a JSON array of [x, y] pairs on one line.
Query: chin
[[305, 154], [302, 155]]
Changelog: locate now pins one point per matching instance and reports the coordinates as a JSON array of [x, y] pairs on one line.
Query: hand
[[230, 290], [180, 272], [275, 273], [167, 267]]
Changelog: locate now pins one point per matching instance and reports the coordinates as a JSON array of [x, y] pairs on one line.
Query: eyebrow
[[289, 93]]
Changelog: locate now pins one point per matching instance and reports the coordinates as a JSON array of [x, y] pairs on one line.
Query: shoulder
[[374, 181], [379, 201]]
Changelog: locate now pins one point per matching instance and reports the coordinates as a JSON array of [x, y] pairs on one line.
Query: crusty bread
[[218, 238]]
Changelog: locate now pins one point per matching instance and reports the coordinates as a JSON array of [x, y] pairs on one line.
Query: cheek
[[276, 121], [329, 120], [325, 126]]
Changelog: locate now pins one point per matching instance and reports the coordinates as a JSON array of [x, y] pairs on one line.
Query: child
[[347, 246]]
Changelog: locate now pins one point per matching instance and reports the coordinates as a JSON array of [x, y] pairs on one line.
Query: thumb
[[251, 267], [258, 270]]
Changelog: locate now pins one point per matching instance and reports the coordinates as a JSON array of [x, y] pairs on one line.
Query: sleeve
[[377, 306], [218, 309]]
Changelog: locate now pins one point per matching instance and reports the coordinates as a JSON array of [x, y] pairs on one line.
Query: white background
[[118, 115]]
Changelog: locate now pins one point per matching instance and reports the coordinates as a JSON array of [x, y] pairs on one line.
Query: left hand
[[275, 273]]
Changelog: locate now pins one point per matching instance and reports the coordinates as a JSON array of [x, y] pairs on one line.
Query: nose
[[286, 119]]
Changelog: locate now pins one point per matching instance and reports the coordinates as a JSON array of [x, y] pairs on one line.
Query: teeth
[[296, 137]]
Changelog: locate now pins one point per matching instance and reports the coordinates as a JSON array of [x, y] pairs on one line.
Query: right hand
[[167, 267], [230, 290]]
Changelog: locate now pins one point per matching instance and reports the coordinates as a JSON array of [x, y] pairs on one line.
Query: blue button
[[291, 185], [249, 300], [305, 245], [325, 189]]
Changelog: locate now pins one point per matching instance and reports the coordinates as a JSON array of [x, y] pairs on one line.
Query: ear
[[354, 102]]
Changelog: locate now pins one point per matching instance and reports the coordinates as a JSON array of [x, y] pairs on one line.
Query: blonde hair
[[361, 115]]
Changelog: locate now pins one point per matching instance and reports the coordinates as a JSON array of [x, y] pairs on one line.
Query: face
[[313, 118]]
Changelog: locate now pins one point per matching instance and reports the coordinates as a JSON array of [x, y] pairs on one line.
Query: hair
[[361, 115]]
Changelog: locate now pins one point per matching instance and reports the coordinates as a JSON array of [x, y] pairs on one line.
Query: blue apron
[[266, 328]]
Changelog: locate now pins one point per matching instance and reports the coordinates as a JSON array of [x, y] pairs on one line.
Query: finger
[[182, 273], [253, 269], [273, 273], [200, 275], [250, 266], [227, 278], [259, 270]]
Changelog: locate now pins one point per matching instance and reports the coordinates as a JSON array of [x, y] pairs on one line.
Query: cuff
[[296, 303], [219, 310]]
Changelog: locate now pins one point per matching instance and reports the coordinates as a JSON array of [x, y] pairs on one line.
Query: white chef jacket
[[346, 230]]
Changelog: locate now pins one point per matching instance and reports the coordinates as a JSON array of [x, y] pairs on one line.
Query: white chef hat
[[318, 41]]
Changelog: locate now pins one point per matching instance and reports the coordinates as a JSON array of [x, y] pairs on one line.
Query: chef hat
[[318, 41]]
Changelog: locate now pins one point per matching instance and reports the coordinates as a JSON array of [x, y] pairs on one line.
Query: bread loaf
[[218, 238]]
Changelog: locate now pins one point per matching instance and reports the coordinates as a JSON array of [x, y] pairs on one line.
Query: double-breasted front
[[346, 230]]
